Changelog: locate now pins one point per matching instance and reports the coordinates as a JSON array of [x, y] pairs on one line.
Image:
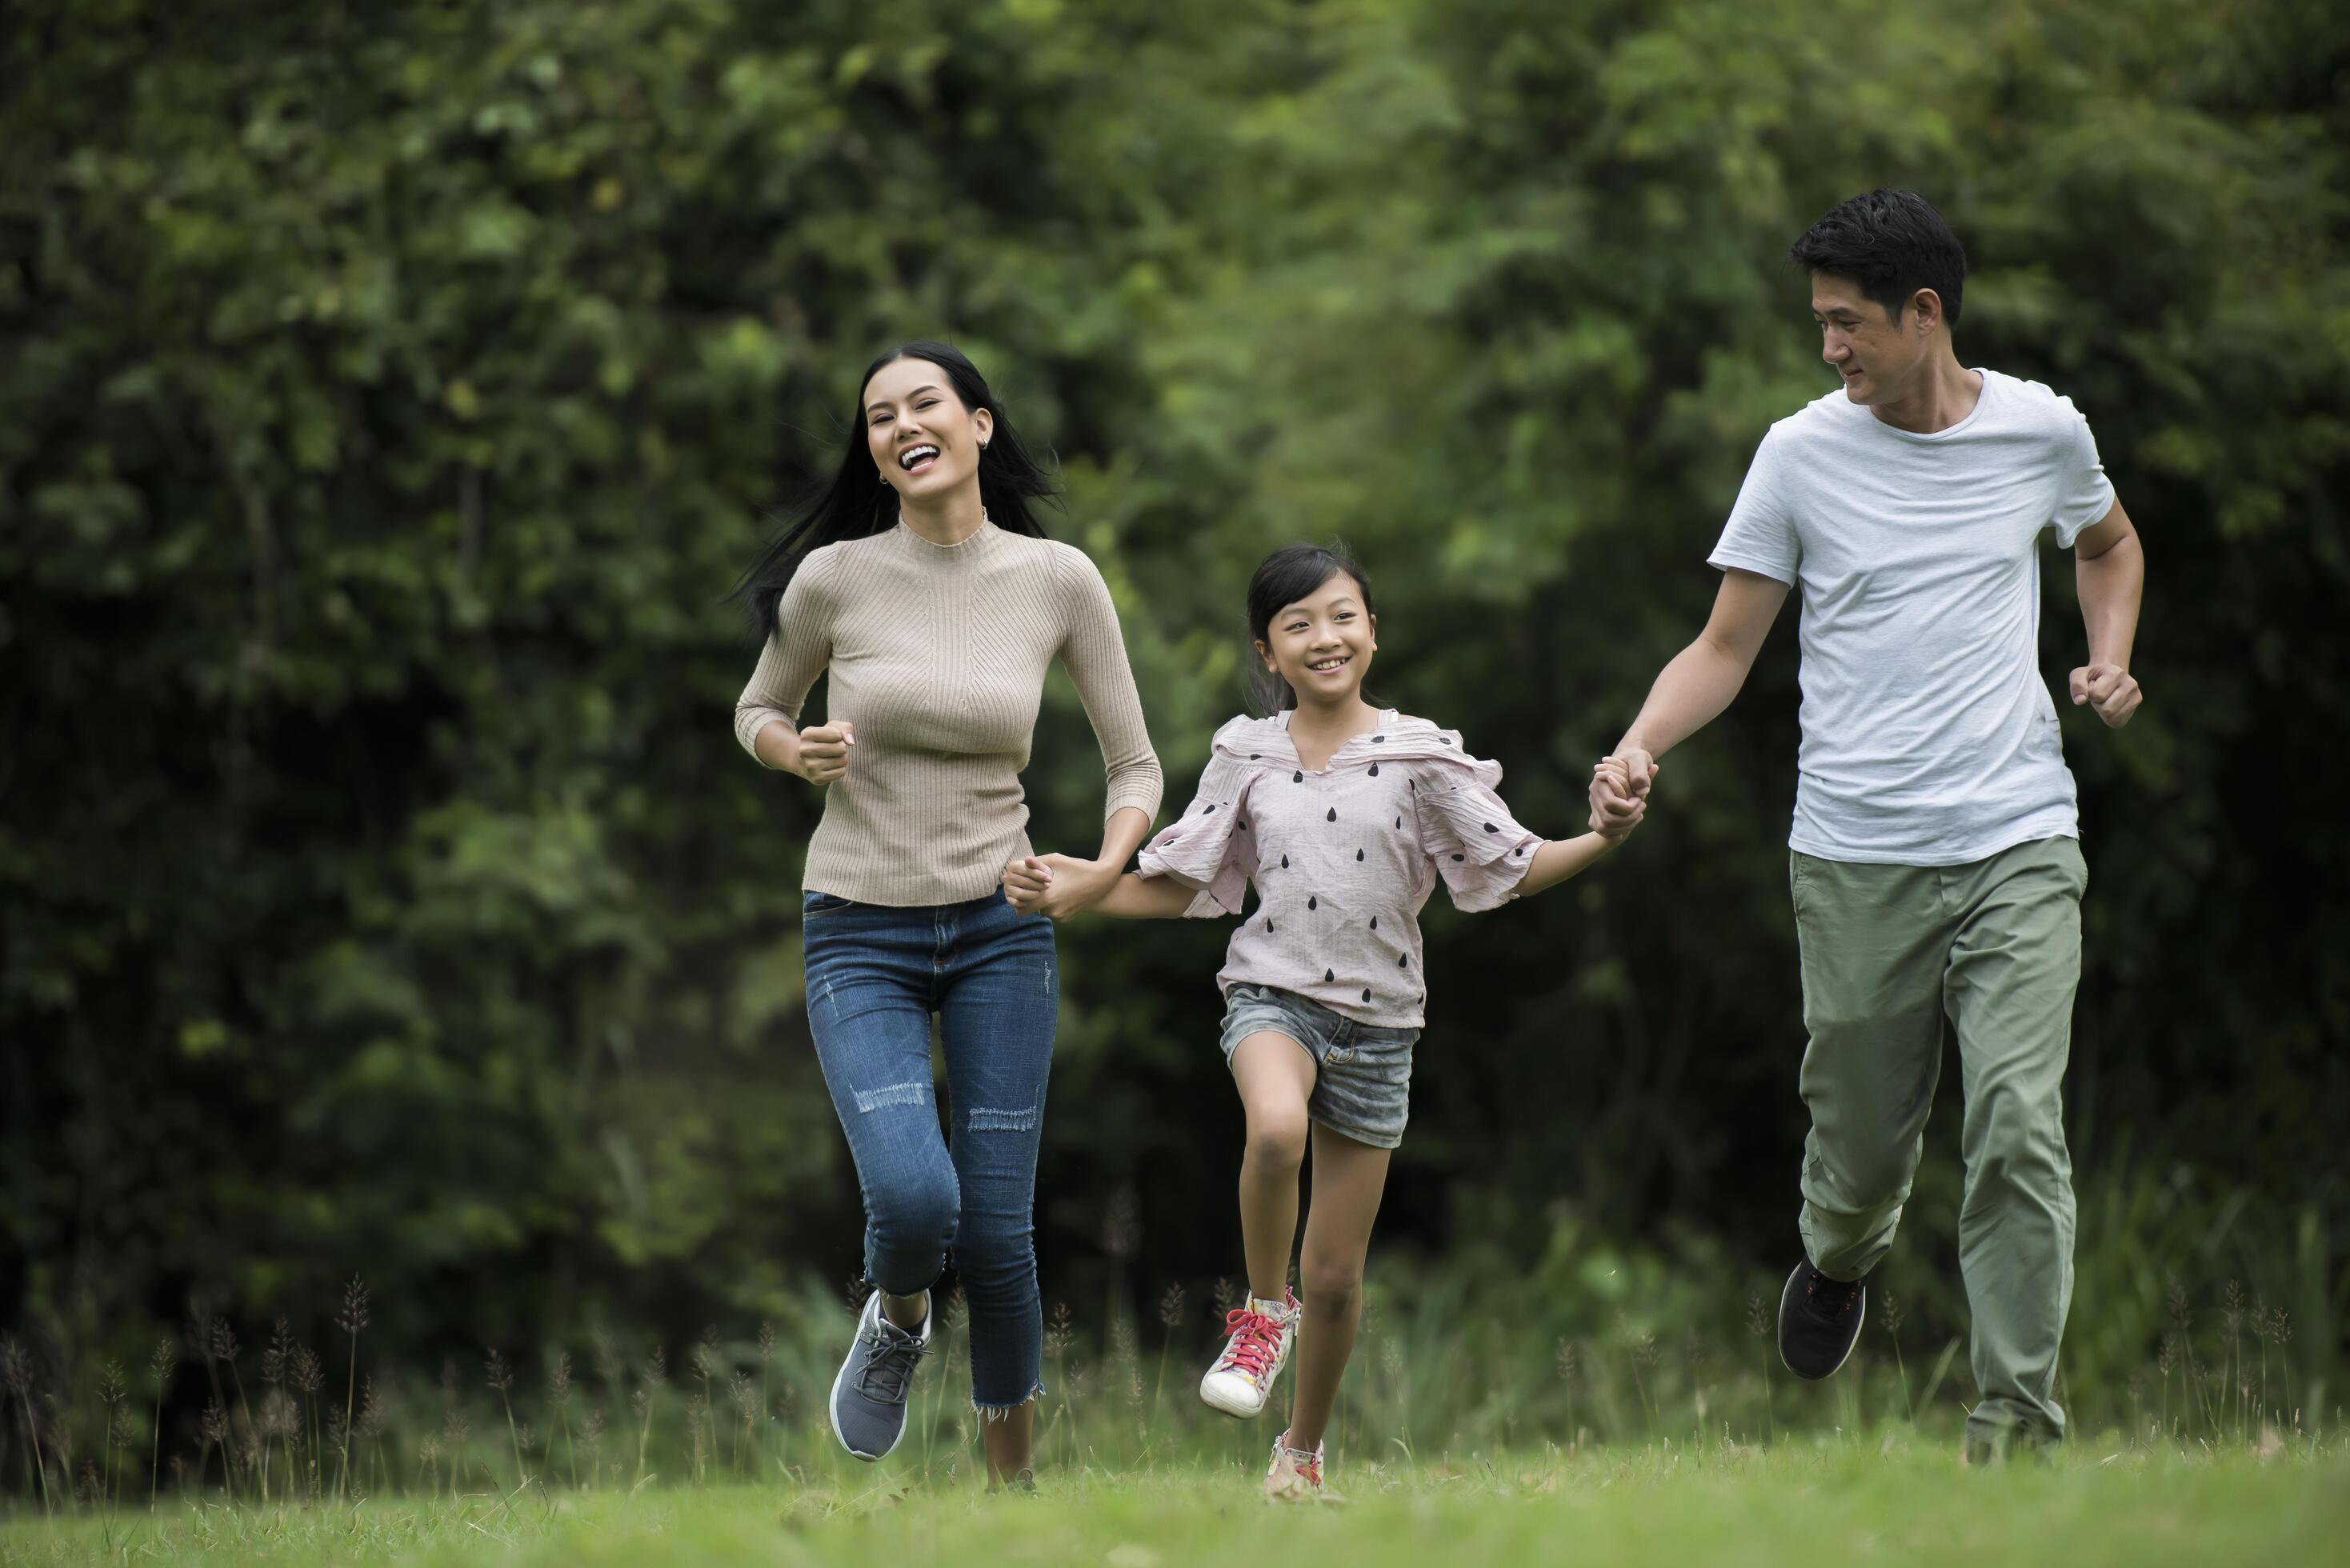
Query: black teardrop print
[[1461, 858], [1521, 849], [1491, 829], [1297, 777], [1399, 824], [1415, 787], [1255, 756], [1443, 740], [1333, 817], [1313, 903], [1244, 825], [1375, 770], [1329, 976], [1358, 854], [1284, 862], [1268, 925], [1375, 922], [1378, 740], [1367, 994], [1404, 962], [1207, 811]]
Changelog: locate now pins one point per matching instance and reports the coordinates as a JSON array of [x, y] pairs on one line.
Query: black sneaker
[[1819, 1321], [868, 1396]]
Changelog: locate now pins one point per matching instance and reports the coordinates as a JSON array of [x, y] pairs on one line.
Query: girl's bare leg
[[1348, 1180], [1276, 1075]]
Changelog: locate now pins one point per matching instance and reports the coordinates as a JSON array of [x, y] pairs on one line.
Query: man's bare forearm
[[1691, 693], [2110, 586]]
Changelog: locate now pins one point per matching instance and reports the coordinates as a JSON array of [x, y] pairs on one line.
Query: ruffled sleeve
[[1478, 847], [1209, 847]]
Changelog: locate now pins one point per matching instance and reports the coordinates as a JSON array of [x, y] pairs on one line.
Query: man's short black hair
[[1892, 244]]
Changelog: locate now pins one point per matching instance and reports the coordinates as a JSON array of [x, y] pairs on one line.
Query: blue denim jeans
[[875, 976]]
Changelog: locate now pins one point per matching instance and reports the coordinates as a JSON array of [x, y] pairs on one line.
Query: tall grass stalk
[[223, 1346], [17, 1369], [500, 1377], [1170, 1315], [351, 1320], [161, 1365], [558, 1400], [1758, 1325], [1900, 1369], [766, 1359], [656, 1374]]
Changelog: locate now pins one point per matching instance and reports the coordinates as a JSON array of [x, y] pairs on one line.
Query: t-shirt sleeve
[[2084, 494], [1761, 534], [1210, 847]]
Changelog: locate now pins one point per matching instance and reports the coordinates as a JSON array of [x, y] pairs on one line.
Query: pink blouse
[[1342, 859]]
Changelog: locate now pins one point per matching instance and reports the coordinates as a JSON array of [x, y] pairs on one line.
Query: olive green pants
[[1994, 947]]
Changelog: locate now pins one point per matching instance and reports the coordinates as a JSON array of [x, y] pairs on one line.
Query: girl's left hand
[[1056, 885]]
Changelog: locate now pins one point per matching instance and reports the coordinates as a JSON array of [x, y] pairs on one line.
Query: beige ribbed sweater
[[938, 655]]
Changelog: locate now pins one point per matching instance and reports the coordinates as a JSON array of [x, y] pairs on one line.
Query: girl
[[924, 583], [1343, 816]]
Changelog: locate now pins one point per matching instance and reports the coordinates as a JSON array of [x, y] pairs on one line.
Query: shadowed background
[[388, 397]]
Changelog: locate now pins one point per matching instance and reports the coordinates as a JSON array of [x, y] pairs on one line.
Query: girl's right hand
[[1025, 882], [824, 751]]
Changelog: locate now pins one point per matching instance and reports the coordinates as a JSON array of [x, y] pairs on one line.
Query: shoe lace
[[889, 1371], [1257, 1338]]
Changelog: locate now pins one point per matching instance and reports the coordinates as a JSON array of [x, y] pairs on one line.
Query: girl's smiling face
[[1322, 644]]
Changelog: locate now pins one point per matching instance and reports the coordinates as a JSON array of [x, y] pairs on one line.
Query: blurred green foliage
[[389, 395]]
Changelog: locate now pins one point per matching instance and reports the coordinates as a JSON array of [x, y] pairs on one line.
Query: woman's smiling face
[[1322, 645], [923, 441]]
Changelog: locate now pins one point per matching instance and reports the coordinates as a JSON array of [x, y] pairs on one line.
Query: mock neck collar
[[972, 544]]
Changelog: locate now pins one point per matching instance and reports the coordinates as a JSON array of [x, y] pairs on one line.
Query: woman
[[922, 582]]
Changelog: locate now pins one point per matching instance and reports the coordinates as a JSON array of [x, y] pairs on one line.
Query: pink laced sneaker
[[1262, 1333], [1295, 1474]]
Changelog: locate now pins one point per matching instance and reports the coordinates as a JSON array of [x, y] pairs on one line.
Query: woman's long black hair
[[857, 504], [1290, 573]]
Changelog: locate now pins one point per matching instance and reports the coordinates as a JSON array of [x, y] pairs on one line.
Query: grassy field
[[1798, 1504]]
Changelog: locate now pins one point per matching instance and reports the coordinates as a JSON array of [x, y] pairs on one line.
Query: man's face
[[1878, 356]]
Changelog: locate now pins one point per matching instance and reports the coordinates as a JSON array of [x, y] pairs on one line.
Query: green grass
[[1801, 1503]]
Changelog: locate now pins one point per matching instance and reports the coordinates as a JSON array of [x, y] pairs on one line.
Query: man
[[1935, 868]]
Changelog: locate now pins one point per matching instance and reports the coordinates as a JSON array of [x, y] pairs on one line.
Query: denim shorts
[[1362, 1082]]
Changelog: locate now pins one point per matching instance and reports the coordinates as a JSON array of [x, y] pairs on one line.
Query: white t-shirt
[[1930, 737]]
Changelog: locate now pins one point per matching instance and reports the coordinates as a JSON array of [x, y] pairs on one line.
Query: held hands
[[824, 751], [2110, 690], [1619, 792], [1056, 885]]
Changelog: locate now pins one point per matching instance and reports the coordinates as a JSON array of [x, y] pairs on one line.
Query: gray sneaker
[[869, 1396]]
